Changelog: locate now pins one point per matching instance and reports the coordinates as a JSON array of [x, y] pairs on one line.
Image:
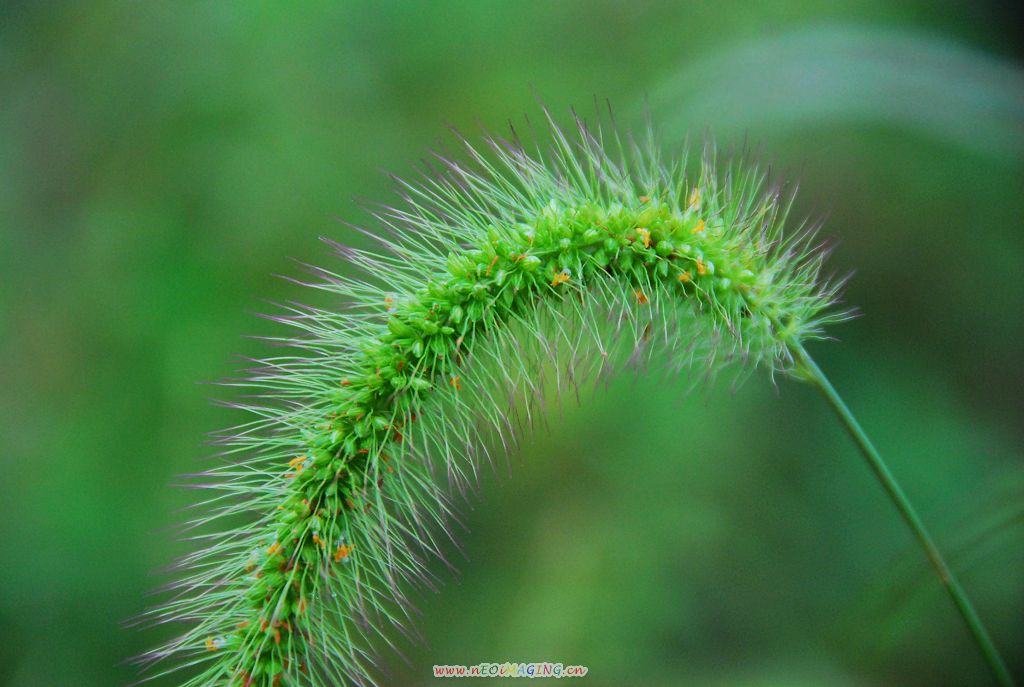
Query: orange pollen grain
[[343, 552]]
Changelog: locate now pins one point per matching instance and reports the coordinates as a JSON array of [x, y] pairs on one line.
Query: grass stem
[[974, 624]]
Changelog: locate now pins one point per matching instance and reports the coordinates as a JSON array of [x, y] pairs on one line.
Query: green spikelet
[[502, 274]]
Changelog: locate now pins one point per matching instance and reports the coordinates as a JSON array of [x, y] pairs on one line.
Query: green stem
[[977, 629]]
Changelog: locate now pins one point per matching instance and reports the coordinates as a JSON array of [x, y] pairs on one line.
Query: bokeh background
[[160, 162]]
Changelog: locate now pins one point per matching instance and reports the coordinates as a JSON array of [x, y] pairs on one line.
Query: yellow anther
[[699, 228], [560, 277], [343, 551], [701, 267], [273, 548], [685, 276], [645, 236], [296, 461], [456, 382], [641, 297], [644, 199], [695, 198]]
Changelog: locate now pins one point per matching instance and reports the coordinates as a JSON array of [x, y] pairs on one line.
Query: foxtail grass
[[500, 272]]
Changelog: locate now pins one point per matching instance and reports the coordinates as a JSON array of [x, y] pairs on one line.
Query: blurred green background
[[160, 162]]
